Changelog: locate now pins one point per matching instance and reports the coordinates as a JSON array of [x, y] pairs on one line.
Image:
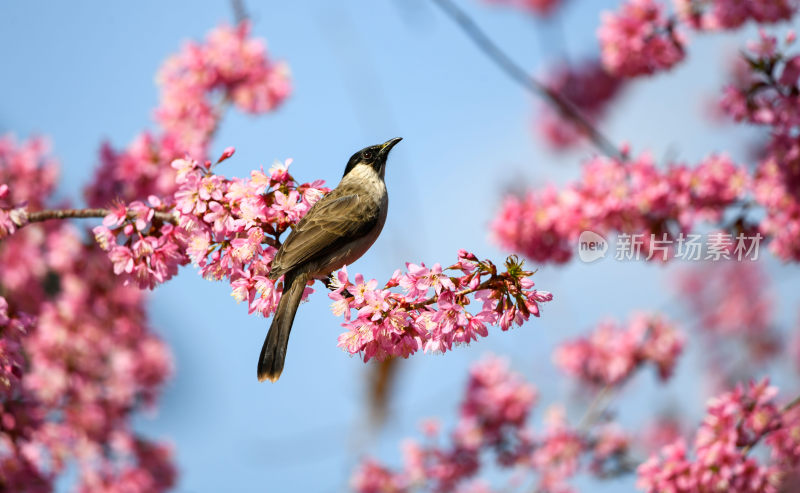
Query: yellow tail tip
[[271, 377]]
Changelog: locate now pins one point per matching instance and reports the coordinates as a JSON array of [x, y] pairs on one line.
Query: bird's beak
[[387, 146]]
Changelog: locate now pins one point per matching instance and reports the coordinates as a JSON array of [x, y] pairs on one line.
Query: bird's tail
[[273, 353]]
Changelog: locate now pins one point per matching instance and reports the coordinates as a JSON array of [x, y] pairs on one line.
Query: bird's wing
[[333, 221]]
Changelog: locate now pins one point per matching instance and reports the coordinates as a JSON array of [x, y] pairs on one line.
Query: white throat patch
[[365, 176]]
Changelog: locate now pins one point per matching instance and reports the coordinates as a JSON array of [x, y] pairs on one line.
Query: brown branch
[[595, 409], [563, 105], [791, 405], [433, 299], [48, 214], [239, 11], [45, 215]]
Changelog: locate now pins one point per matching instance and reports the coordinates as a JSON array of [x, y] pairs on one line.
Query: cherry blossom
[[610, 354], [634, 196], [730, 14], [734, 423], [639, 39], [538, 7], [388, 323], [77, 355]]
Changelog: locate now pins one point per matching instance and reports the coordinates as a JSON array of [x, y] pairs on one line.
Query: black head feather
[[374, 156]]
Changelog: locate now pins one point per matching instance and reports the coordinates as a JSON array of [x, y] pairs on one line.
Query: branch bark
[[48, 214]]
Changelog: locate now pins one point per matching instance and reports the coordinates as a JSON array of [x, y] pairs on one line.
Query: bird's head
[[373, 156]]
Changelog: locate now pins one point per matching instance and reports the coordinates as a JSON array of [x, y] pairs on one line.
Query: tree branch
[[595, 410], [239, 11], [47, 214], [563, 105]]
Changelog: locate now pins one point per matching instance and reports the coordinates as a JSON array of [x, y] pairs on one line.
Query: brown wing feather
[[337, 218]]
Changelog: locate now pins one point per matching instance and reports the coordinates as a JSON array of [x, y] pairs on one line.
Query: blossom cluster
[[197, 85], [767, 95], [633, 196], [640, 39], [430, 313], [33, 173], [734, 424], [732, 305], [730, 14], [539, 7], [494, 411], [77, 355], [229, 227], [229, 61], [13, 328], [611, 354], [144, 249], [589, 87], [232, 225], [494, 418], [636, 197], [732, 300]]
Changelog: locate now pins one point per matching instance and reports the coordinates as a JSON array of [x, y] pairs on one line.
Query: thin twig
[[47, 214], [239, 11], [433, 299], [592, 411], [563, 105], [792, 404], [38, 216]]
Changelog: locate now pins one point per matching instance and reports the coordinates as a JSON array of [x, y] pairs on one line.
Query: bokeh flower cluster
[[640, 39], [77, 355], [78, 358], [610, 354], [537, 7], [632, 196], [494, 420], [721, 458]]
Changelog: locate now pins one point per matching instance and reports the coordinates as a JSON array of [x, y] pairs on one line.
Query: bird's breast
[[374, 199], [365, 179]]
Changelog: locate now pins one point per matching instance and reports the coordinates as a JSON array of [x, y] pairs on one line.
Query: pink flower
[[279, 172], [538, 7], [227, 153], [639, 40], [734, 422], [287, 207], [122, 258], [610, 355], [730, 14], [118, 215], [635, 197], [371, 477]]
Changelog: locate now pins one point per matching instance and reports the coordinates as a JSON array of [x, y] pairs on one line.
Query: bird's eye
[[368, 155]]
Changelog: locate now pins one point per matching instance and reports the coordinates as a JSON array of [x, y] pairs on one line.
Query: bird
[[336, 231]]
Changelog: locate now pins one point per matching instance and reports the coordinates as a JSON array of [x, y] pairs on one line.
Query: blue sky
[[363, 71]]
